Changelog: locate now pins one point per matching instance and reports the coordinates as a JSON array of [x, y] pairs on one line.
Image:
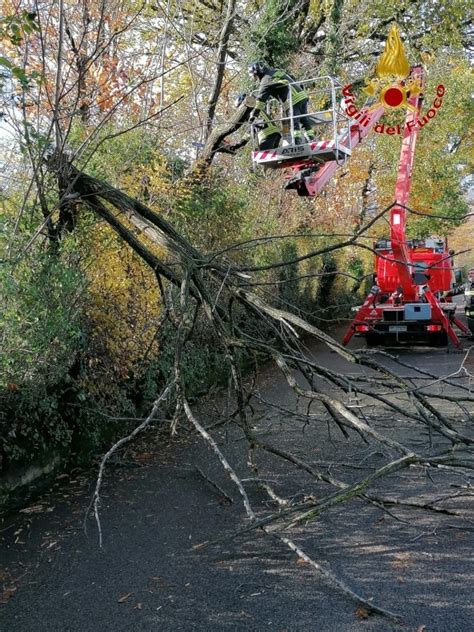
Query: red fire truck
[[410, 299]]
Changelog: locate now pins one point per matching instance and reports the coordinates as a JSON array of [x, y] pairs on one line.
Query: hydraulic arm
[[406, 304]]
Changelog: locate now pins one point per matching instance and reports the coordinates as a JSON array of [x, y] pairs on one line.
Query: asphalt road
[[156, 506]]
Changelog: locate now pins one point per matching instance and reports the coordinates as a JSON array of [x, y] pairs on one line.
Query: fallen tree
[[212, 285], [97, 81]]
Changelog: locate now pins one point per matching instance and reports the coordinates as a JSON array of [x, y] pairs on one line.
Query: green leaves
[[4, 62], [273, 38], [21, 75], [40, 325], [25, 79], [15, 27], [42, 333]]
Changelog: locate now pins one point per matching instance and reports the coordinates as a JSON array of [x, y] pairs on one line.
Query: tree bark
[[221, 60]]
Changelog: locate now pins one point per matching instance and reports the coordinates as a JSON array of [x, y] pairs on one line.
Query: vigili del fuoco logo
[[392, 86]]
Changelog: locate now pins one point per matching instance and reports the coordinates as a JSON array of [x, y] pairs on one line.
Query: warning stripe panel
[[264, 155], [323, 144], [296, 152]]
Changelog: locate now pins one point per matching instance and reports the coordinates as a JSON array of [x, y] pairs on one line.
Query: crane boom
[[411, 300], [413, 277], [312, 185], [402, 191]]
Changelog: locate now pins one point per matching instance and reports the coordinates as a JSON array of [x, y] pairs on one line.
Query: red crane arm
[[402, 191], [317, 181]]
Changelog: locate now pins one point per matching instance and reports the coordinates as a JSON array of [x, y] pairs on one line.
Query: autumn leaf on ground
[[144, 456], [200, 546], [32, 509], [7, 594], [36, 509], [124, 598], [362, 613], [402, 560], [245, 615]]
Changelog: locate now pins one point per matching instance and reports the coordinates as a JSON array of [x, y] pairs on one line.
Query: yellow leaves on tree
[[124, 309], [461, 242]]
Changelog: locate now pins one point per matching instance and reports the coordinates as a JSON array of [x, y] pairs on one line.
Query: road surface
[[164, 496]]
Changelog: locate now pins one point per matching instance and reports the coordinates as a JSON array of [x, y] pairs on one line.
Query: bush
[[41, 339]]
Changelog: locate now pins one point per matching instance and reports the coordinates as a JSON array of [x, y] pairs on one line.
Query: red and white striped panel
[[263, 156], [322, 144]]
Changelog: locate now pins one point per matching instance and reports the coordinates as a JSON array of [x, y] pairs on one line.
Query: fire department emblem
[[392, 84]]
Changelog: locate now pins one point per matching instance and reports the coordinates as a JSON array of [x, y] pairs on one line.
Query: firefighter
[[268, 134], [278, 84], [397, 296], [469, 300]]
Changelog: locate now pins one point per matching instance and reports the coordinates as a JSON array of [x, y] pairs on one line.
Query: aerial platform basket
[[328, 120], [317, 152]]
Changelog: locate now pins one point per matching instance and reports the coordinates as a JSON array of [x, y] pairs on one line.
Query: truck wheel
[[439, 339], [373, 339], [470, 324]]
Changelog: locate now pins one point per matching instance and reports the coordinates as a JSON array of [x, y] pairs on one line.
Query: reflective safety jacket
[[469, 296], [276, 84], [264, 126]]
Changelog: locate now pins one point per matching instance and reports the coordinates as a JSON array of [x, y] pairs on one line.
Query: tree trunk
[[221, 60]]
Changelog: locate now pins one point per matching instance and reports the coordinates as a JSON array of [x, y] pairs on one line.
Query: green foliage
[[31, 424], [40, 319], [334, 42], [288, 275], [201, 365], [15, 27], [210, 211], [13, 30], [273, 38], [355, 267], [449, 205], [323, 298], [53, 398], [41, 331]]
